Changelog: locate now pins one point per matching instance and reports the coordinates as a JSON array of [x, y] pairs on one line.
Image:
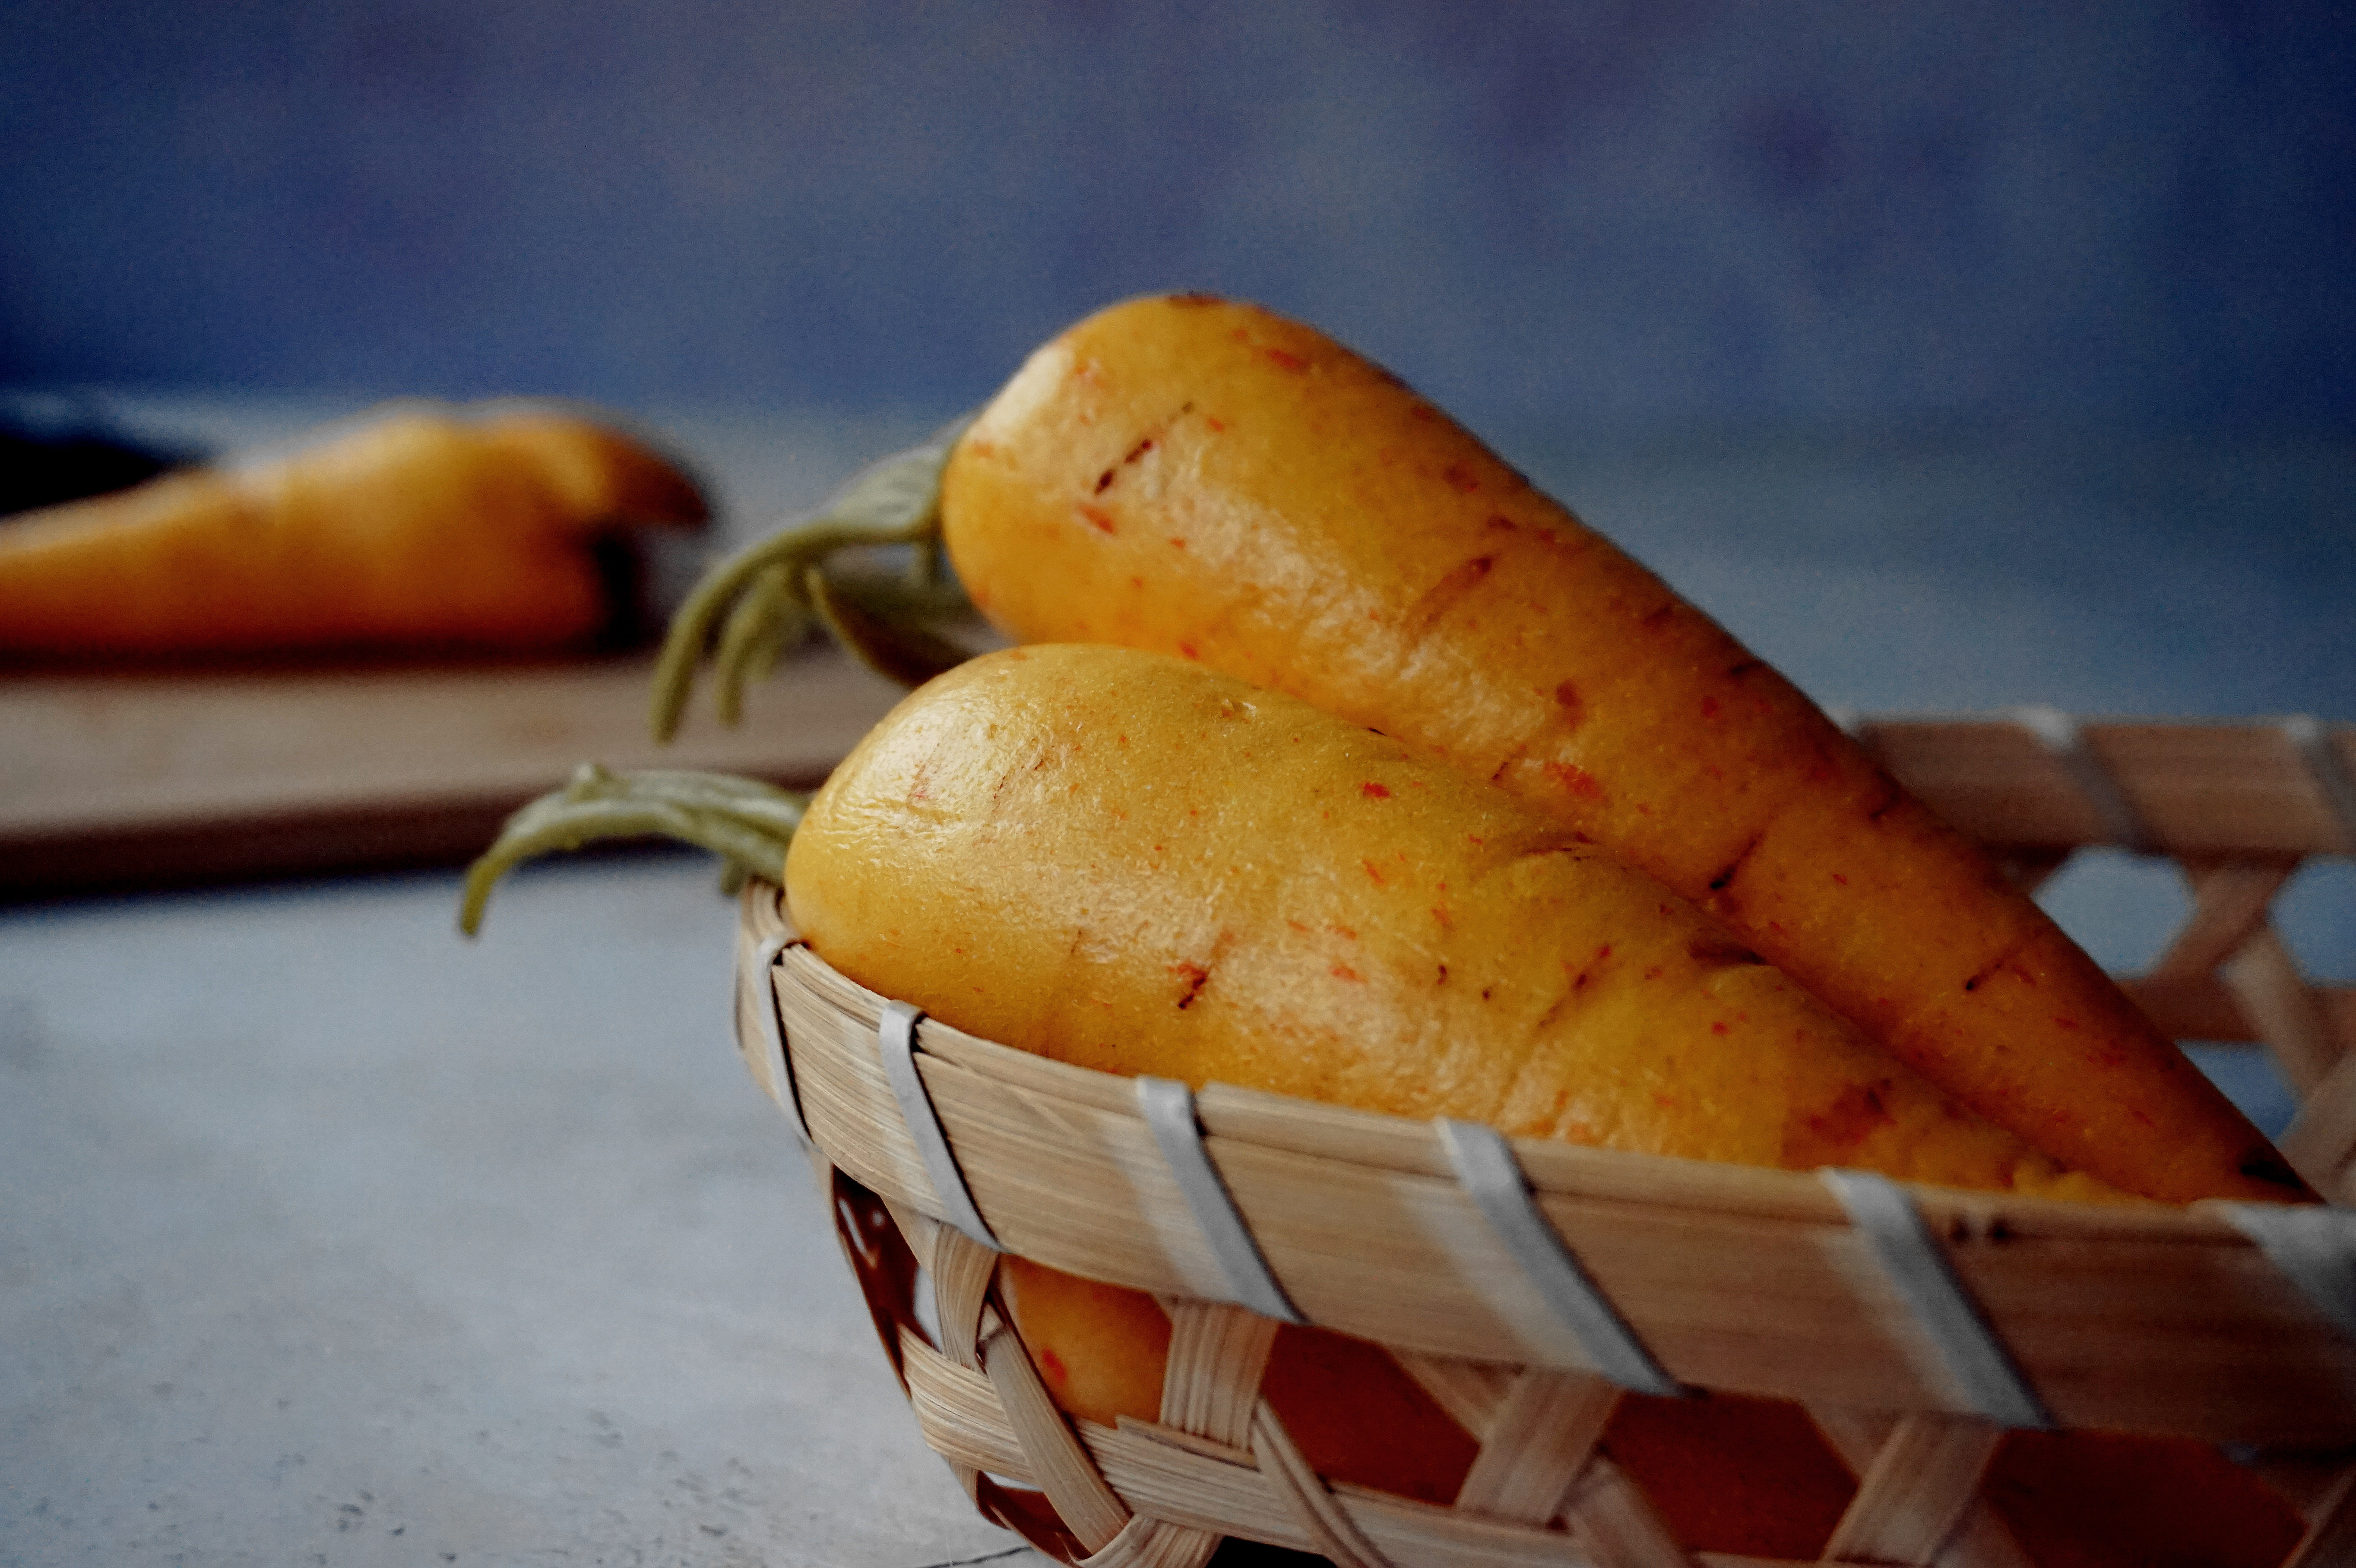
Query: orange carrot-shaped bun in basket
[[416, 529], [1129, 862], [1213, 481]]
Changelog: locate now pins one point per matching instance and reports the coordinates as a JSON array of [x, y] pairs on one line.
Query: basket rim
[[2139, 1317]]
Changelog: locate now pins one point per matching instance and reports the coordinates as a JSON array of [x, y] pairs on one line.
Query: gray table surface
[[328, 1237]]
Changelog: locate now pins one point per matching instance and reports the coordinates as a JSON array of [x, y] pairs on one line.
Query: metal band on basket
[[1943, 1308], [773, 1037], [2314, 1246], [895, 1039], [1491, 1176], [1169, 1109]]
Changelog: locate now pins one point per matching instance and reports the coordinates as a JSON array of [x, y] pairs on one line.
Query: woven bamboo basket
[[1528, 1286]]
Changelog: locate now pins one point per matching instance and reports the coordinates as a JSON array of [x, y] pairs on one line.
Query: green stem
[[889, 644], [747, 823], [759, 600]]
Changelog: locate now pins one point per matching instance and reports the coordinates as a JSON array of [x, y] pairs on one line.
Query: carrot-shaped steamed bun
[[414, 529], [1213, 481], [1126, 861]]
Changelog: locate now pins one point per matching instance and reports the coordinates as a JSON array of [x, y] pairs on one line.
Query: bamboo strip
[[1615, 1521], [1470, 1392], [1349, 1241], [845, 1094], [1539, 1440], [1412, 1535], [2230, 900], [1487, 1173], [2286, 1015], [1969, 1350], [2142, 1335], [1192, 1442], [2320, 1141], [2062, 735], [962, 1270], [1172, 1476], [917, 1228], [1152, 1543], [1981, 1540], [752, 994], [895, 1041], [1323, 1518], [1922, 1481], [1210, 1383], [2195, 783], [2328, 753], [1058, 1463], [1988, 777], [958, 1411], [2200, 1007], [2142, 1319], [1855, 1436], [1168, 1107], [2228, 788]]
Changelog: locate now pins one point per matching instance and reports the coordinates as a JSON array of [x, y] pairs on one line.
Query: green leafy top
[[747, 823], [744, 614], [749, 608]]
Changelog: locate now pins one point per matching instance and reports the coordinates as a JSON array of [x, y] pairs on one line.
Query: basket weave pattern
[[1914, 1325]]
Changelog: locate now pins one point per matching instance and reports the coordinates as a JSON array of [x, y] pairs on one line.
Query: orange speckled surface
[[1130, 862], [1212, 481]]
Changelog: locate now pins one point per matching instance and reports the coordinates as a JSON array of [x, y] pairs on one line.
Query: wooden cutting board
[[146, 779], [128, 779]]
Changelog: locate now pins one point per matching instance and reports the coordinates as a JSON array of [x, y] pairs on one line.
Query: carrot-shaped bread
[[1132, 863], [1213, 481], [417, 528], [1127, 861]]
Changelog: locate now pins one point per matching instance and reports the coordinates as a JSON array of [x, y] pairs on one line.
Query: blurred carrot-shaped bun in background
[[420, 528]]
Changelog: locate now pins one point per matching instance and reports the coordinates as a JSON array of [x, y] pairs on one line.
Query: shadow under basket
[[1969, 1378]]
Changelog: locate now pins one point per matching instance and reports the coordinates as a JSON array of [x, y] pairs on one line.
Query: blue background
[[1604, 215], [1955, 356]]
